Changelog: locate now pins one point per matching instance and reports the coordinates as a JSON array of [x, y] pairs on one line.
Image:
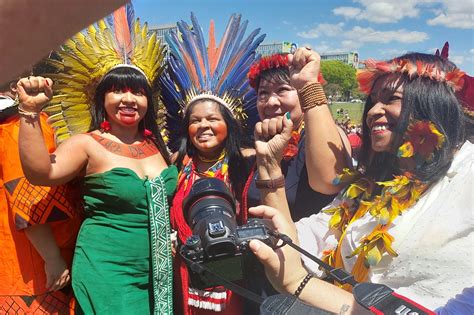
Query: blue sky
[[378, 29]]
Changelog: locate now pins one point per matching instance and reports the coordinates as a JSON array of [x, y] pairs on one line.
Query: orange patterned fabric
[[22, 277]]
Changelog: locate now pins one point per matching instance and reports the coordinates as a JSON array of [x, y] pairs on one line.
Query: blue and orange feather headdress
[[199, 71]]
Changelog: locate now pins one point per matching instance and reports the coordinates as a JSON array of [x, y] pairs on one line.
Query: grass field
[[354, 109]]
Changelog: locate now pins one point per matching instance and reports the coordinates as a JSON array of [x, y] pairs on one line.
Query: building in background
[[349, 58], [266, 49]]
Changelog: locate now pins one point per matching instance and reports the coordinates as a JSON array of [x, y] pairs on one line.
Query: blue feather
[[236, 55], [203, 49]]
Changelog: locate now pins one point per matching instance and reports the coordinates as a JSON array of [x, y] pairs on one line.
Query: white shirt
[[434, 239]]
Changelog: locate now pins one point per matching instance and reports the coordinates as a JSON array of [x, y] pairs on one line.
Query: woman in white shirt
[[404, 218]]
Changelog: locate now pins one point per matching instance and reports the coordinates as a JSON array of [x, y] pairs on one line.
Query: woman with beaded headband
[[307, 178], [401, 218], [207, 95], [122, 262]]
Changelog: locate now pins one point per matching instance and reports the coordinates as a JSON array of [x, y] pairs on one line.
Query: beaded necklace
[[218, 170]]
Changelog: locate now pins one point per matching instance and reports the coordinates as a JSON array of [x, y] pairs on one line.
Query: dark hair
[[238, 167], [7, 86], [279, 75], [127, 77], [423, 99]]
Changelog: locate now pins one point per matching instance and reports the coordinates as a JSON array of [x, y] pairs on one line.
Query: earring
[[147, 132], [105, 126]]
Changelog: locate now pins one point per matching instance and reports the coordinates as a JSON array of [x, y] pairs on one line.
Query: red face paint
[[207, 129]]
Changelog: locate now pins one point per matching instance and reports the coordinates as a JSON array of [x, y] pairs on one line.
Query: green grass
[[355, 110]]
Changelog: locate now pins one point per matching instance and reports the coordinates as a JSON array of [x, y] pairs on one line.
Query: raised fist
[[272, 136], [304, 67], [34, 92]]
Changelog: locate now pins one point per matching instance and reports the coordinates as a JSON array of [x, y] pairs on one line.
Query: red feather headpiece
[[270, 62], [367, 77], [466, 94]]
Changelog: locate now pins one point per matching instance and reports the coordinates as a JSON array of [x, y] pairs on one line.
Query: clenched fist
[[272, 137], [34, 93], [304, 67]]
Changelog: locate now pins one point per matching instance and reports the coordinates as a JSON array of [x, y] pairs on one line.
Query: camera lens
[[210, 212]]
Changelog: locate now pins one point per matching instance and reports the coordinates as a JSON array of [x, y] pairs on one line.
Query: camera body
[[217, 241]]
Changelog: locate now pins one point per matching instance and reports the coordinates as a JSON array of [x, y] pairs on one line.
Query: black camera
[[217, 241]]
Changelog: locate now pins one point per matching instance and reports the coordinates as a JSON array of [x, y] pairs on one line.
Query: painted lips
[[127, 115]]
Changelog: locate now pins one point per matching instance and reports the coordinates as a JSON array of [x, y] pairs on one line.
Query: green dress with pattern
[[122, 263]]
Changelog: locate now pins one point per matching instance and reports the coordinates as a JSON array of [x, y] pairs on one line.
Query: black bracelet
[[303, 283]]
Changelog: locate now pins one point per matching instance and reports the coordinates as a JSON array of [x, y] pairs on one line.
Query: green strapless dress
[[122, 262]]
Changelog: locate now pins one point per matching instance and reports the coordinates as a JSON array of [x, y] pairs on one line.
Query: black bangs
[[119, 79], [123, 78], [389, 84], [277, 75]]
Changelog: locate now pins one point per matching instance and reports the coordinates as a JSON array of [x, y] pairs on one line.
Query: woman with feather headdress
[[207, 98], [104, 115]]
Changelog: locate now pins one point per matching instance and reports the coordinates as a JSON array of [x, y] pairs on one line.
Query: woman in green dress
[[122, 262], [124, 241]]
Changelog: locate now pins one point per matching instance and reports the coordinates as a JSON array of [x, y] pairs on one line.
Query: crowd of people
[[95, 185]]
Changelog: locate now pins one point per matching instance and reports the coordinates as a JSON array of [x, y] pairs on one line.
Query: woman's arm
[[39, 166], [271, 138], [326, 154], [57, 272], [285, 271], [34, 27]]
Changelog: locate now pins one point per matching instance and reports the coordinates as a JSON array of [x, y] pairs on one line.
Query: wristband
[[26, 113], [303, 283], [271, 183], [312, 95]]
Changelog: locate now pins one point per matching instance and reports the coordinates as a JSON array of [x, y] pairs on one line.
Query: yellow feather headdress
[[117, 40]]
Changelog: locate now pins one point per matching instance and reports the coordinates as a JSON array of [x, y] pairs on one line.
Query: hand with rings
[[34, 93]]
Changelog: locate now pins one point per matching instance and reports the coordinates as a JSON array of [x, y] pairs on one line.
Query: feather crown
[[275, 61], [118, 40], [466, 93], [374, 69], [265, 63], [199, 71]]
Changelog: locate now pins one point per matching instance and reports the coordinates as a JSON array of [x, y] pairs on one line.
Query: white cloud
[[453, 21], [369, 35], [458, 59], [471, 50], [323, 29], [392, 52], [448, 13], [347, 12], [454, 14], [382, 11], [349, 44], [286, 22]]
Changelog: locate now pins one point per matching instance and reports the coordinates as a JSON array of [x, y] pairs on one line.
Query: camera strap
[[285, 304], [209, 274], [380, 299], [377, 298]]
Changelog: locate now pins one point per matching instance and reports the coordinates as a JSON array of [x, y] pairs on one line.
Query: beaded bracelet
[[312, 95], [303, 283]]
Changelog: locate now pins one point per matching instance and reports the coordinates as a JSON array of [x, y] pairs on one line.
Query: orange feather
[[211, 49], [122, 33]]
